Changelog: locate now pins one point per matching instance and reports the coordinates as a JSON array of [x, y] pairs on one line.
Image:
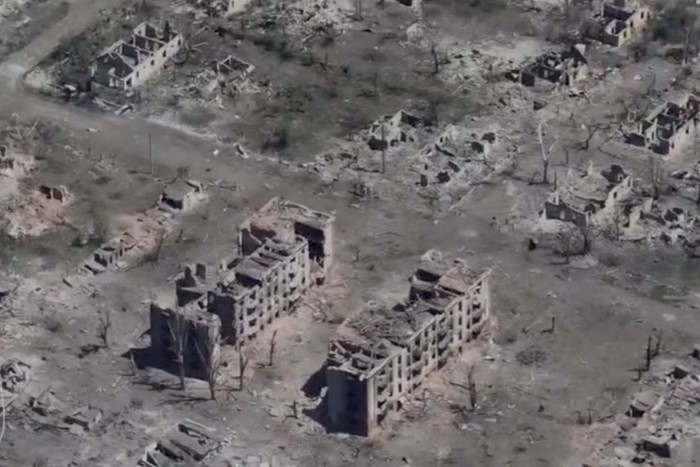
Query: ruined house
[[182, 196], [283, 217], [190, 330], [129, 62], [382, 355], [621, 20], [565, 68], [669, 127], [578, 198], [390, 131], [232, 69]]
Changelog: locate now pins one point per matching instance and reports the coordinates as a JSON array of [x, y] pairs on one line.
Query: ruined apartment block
[[580, 198], [128, 63], [194, 331], [382, 356], [670, 127], [565, 68], [270, 281], [621, 20], [281, 217], [283, 249]]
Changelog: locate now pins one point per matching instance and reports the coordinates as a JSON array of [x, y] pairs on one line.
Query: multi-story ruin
[[670, 126], [621, 20], [565, 68], [189, 333], [382, 355], [128, 63], [281, 217], [283, 249], [271, 280]]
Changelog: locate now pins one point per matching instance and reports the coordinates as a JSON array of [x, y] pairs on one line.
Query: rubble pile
[[47, 409], [305, 17], [660, 424], [14, 165], [14, 377], [32, 215], [457, 154]]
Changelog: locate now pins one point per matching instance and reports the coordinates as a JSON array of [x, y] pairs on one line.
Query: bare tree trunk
[[271, 360], [384, 144], [436, 59], [648, 354], [104, 325], [545, 154], [471, 381], [242, 364], [179, 335]]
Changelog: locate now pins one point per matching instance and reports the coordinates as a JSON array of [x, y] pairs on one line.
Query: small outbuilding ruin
[[128, 63], [382, 355], [182, 196]]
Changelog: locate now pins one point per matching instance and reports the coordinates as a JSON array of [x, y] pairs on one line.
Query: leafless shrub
[[104, 325]]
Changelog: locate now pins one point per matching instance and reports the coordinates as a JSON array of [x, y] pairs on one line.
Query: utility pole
[[150, 152]]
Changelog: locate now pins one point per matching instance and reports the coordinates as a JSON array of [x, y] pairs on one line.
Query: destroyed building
[[187, 445], [565, 68], [669, 127], [264, 284], [621, 20], [58, 193], [281, 217], [283, 249], [128, 63], [108, 255], [190, 331], [182, 196], [381, 356], [579, 197], [232, 68], [390, 131]]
